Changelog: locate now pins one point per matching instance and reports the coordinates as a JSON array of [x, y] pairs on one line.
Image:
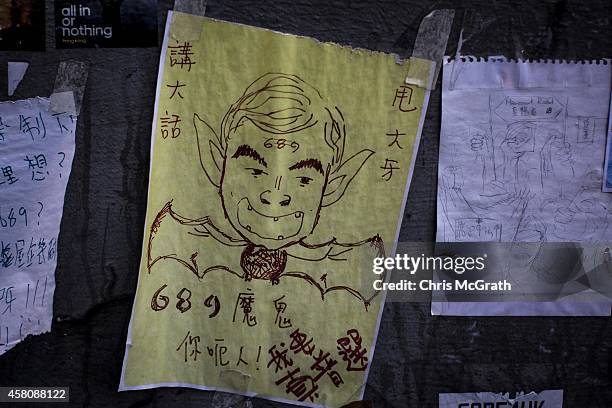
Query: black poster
[[22, 25], [105, 23]]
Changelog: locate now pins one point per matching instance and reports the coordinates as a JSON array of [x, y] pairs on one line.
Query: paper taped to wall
[[522, 161], [36, 151], [275, 180]]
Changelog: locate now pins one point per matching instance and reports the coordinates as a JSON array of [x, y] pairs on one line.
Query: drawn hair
[[283, 104]]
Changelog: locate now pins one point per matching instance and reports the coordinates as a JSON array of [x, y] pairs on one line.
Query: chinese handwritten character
[[279, 358], [213, 301], [351, 351], [218, 352], [36, 164], [301, 343], [7, 173], [245, 303], [281, 307], [190, 345], [180, 54], [6, 258], [6, 294], [389, 166], [176, 90], [26, 126], [404, 95], [174, 121], [396, 136], [42, 246], [3, 127], [302, 387], [62, 127], [52, 249], [323, 363], [30, 254], [240, 359]]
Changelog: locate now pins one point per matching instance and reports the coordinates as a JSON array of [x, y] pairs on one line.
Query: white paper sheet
[[36, 151], [521, 155], [521, 152], [544, 399]]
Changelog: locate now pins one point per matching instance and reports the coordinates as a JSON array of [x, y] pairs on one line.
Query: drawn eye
[[255, 172], [304, 180]]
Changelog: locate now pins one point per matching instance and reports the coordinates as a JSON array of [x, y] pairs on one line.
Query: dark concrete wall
[[417, 356]]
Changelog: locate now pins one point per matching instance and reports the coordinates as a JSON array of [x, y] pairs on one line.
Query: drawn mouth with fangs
[[275, 227]]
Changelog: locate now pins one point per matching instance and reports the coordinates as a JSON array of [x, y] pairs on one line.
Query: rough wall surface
[[417, 356]]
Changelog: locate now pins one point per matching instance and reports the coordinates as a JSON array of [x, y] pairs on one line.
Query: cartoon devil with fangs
[[277, 163]]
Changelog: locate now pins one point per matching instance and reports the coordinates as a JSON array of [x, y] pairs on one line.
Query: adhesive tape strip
[[187, 29], [430, 44], [196, 7], [232, 380], [69, 87], [63, 102]]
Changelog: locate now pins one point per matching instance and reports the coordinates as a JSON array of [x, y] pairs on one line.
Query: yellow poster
[[279, 170]]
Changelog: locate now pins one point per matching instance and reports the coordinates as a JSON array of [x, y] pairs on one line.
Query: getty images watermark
[[411, 265]]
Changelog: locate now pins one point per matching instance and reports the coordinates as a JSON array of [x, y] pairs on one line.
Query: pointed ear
[[342, 177], [211, 155]]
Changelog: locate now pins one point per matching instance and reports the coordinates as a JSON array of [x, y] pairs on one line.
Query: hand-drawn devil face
[[272, 187], [277, 160]]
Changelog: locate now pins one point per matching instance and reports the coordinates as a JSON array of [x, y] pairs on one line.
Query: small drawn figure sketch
[[522, 161]]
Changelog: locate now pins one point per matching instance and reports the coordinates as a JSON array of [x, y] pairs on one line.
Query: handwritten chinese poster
[[279, 171], [36, 150]]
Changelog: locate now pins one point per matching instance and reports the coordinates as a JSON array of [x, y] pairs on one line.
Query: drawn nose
[[275, 197]]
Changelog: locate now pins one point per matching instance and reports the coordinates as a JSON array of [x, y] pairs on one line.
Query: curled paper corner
[[430, 44], [16, 72], [189, 29], [69, 87]]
